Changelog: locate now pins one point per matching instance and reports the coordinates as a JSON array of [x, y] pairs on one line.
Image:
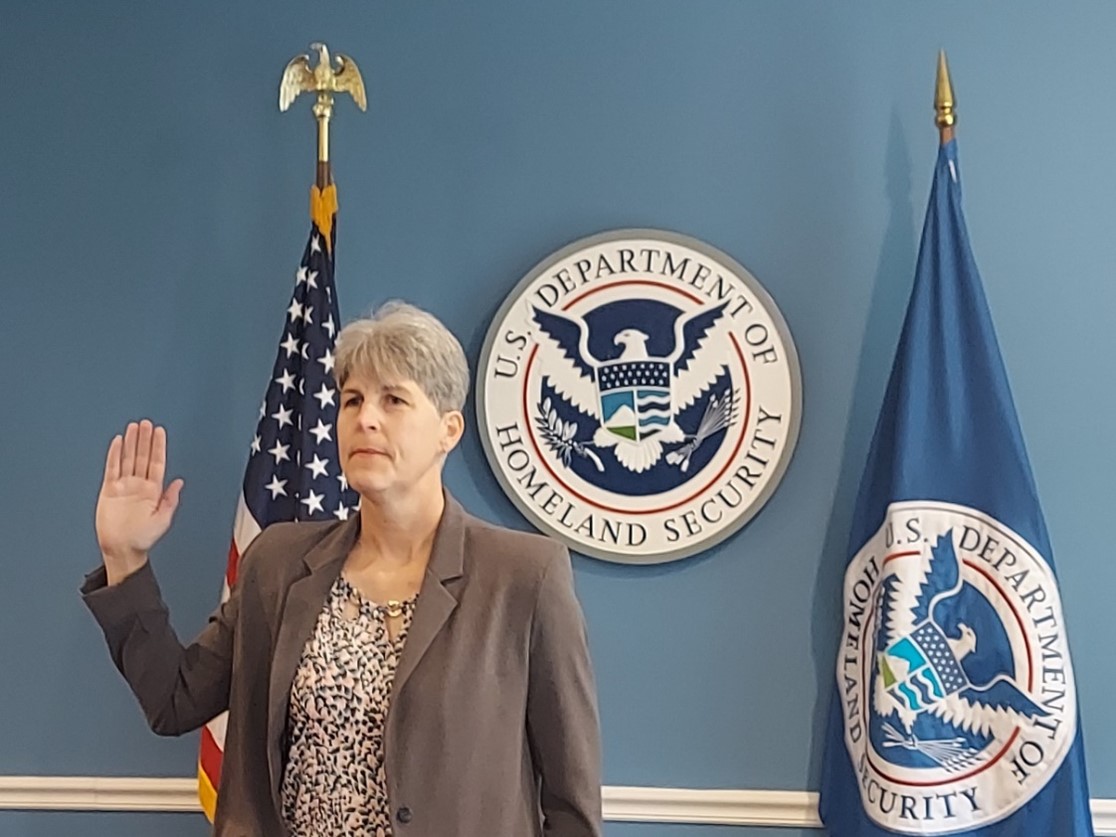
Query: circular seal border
[[781, 329]]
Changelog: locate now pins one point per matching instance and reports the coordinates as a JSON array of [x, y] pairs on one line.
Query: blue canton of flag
[[293, 471], [955, 710]]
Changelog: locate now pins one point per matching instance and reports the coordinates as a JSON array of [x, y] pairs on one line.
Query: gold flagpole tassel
[[325, 79], [943, 101]]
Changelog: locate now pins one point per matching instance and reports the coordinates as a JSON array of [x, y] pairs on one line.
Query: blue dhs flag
[[955, 709]]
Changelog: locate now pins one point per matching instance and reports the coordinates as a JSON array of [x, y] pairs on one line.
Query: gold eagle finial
[[300, 77], [325, 80]]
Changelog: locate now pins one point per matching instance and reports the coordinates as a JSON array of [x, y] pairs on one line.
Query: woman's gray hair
[[402, 342]]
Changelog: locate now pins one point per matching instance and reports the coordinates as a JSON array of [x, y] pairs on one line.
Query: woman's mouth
[[367, 452]]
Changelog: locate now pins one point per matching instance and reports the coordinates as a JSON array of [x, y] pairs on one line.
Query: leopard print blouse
[[334, 779]]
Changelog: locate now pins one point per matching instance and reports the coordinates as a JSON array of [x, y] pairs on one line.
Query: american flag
[[293, 471]]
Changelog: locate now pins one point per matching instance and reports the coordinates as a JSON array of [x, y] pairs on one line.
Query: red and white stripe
[[211, 751]]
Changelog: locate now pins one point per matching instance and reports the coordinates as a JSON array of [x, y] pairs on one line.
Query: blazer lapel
[[436, 601], [305, 599]]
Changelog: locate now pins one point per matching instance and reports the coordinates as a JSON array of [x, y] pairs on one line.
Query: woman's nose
[[369, 415]]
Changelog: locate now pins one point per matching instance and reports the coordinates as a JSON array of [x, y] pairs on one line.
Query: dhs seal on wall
[[639, 396], [954, 671]]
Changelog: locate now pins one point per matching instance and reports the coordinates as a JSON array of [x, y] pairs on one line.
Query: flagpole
[[324, 80], [944, 117], [304, 363]]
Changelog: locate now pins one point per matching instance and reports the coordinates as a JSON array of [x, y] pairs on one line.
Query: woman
[[410, 671]]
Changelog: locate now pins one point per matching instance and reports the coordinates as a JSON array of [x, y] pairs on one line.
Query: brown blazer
[[492, 729]]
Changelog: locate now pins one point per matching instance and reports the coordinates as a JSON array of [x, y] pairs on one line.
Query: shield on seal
[[920, 669], [635, 397]]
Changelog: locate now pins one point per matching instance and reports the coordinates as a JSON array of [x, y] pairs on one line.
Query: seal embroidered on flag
[[954, 671], [639, 396]]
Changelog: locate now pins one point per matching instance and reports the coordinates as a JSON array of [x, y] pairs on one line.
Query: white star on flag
[[283, 416], [286, 381], [321, 432], [290, 344], [318, 466], [325, 395], [326, 360], [280, 452], [276, 487], [313, 502]]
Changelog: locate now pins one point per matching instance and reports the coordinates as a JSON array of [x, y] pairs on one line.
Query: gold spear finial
[[324, 80], [943, 101]]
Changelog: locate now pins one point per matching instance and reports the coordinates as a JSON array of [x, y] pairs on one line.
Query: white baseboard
[[786, 809], [98, 793], [771, 808]]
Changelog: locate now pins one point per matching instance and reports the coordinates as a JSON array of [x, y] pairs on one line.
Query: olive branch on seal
[[559, 435]]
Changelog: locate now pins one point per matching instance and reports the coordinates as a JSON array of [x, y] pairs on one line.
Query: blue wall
[[154, 208]]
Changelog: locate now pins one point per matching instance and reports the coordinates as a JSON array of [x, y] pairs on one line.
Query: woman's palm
[[133, 509]]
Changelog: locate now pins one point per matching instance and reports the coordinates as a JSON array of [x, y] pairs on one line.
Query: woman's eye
[[349, 402]]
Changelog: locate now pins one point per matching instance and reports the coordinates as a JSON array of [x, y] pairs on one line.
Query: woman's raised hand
[[134, 510]]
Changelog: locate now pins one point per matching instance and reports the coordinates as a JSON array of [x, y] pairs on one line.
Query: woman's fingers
[[140, 452], [128, 455], [143, 450], [112, 460], [157, 468], [169, 501]]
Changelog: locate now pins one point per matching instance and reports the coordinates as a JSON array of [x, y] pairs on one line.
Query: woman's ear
[[453, 428]]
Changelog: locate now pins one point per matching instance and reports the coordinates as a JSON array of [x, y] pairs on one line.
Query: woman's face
[[390, 436]]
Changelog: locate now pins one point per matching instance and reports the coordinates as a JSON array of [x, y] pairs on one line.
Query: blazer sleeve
[[178, 687], [562, 721]]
